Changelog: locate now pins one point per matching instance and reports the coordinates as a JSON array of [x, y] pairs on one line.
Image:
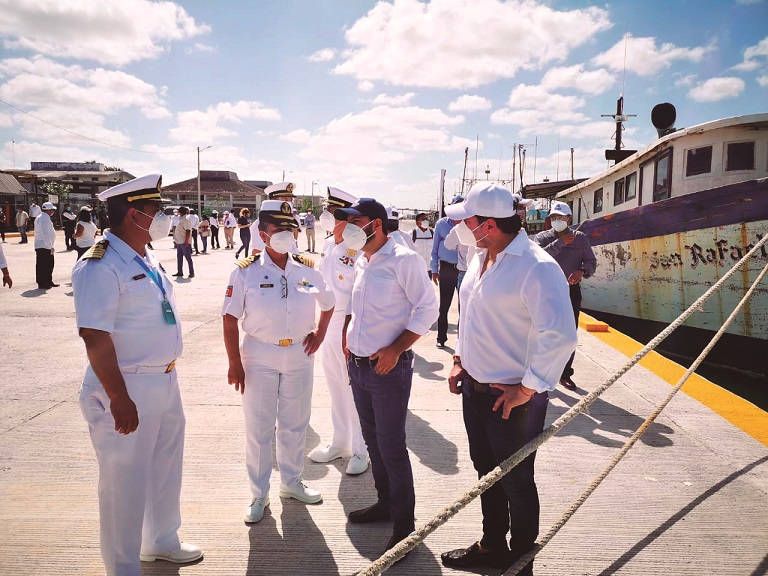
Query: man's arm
[[236, 372], [436, 239], [347, 320], [588, 262]]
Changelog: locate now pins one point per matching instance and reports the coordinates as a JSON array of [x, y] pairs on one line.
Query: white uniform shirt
[[116, 295], [256, 242], [35, 211], [194, 221], [255, 295], [463, 251], [45, 234], [516, 320], [402, 239], [88, 237], [230, 221], [338, 269], [390, 294], [3, 262], [423, 243]]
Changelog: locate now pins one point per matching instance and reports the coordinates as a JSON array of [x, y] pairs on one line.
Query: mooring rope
[[417, 537]]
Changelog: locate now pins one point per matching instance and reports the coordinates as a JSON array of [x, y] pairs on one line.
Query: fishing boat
[[668, 221]]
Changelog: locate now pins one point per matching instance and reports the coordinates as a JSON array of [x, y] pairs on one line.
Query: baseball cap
[[48, 206], [363, 207], [489, 199], [560, 208]]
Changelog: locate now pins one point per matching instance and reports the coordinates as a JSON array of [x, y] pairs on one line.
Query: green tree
[[58, 189]]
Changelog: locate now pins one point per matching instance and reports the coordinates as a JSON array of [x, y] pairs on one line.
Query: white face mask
[[159, 227], [466, 235], [559, 225], [282, 242], [354, 236], [422, 224], [327, 221]]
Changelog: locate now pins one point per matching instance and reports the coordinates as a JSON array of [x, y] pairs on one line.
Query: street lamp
[[312, 201], [199, 202]]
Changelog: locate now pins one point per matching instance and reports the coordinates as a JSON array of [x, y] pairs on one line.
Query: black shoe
[[441, 343], [191, 276], [178, 275], [476, 557], [568, 383], [378, 512], [53, 286]]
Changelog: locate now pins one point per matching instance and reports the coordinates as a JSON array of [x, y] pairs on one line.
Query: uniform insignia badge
[[341, 276], [228, 293], [97, 251], [308, 262], [351, 253], [245, 262]]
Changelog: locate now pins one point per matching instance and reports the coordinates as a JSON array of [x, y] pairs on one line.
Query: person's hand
[[312, 342], [454, 378], [386, 358], [52, 251], [575, 277], [344, 345], [7, 280], [236, 375], [512, 396], [436, 278], [568, 237], [124, 413]]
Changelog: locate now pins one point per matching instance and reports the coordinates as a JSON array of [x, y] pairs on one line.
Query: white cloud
[[299, 136], [763, 80], [55, 125], [538, 98], [109, 31], [716, 89], [398, 100], [469, 103], [201, 47], [207, 126], [686, 80], [365, 86], [577, 78], [5, 121], [752, 56], [645, 58], [410, 43], [323, 55]]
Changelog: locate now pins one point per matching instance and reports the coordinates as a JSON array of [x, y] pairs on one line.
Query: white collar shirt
[[517, 323], [45, 234], [423, 243], [338, 268], [194, 220], [230, 221], [276, 304], [390, 294], [116, 295]]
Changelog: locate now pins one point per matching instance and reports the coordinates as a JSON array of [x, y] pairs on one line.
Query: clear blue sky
[[374, 98]]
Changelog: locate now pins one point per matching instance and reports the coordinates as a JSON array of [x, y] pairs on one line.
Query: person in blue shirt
[[444, 272]]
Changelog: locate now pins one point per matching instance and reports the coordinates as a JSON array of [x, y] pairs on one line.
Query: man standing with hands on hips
[[130, 397], [515, 336], [393, 304]]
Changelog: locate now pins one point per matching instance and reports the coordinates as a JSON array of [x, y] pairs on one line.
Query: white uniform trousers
[[278, 390], [347, 435], [139, 474]]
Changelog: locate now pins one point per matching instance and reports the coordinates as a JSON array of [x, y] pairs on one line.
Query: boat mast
[[618, 154], [464, 173]]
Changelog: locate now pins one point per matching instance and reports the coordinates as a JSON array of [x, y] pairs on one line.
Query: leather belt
[[164, 369], [361, 360], [480, 387], [449, 264]]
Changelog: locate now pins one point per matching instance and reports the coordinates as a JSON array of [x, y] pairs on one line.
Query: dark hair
[[245, 212], [392, 225], [84, 215], [183, 210], [508, 225]]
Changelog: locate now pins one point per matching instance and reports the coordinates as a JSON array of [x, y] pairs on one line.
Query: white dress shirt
[[88, 237], [230, 221], [194, 221], [45, 234], [255, 294], [115, 295], [402, 239], [256, 242], [35, 211], [516, 320], [463, 251], [390, 294], [423, 243], [3, 262], [338, 269]]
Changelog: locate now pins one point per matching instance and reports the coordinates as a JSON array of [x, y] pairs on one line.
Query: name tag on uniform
[[266, 285], [139, 276], [168, 315]]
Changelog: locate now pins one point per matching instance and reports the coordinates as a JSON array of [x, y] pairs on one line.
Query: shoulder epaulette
[[301, 259], [245, 262], [351, 252], [97, 251]]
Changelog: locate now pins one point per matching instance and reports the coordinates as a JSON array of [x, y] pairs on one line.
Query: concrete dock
[[690, 499]]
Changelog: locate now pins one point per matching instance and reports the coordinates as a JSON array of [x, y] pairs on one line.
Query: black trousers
[[215, 237], [448, 278], [194, 241], [69, 237], [512, 504], [575, 293], [43, 267]]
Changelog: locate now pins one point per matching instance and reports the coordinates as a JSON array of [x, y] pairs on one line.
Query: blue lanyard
[[153, 274]]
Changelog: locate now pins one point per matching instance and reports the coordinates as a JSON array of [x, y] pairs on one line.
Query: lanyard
[[153, 274]]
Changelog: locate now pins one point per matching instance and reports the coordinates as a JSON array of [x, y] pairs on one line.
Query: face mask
[[327, 221], [354, 236], [466, 235], [559, 225], [422, 224], [282, 242], [159, 227]]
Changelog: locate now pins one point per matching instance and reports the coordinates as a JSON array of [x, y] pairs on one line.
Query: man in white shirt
[[230, 223], [393, 304], [515, 336], [422, 236], [393, 229], [194, 222], [182, 238], [45, 238]]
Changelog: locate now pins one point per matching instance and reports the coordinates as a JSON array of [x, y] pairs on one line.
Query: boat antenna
[[624, 74], [617, 154], [477, 145], [464, 173]]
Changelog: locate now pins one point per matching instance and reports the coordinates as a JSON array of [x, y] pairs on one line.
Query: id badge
[[168, 314]]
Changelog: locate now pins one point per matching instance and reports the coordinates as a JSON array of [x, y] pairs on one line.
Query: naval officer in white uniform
[[338, 266], [281, 191], [127, 316], [274, 294]]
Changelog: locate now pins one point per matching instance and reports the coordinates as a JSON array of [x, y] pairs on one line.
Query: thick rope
[[417, 537], [523, 561]]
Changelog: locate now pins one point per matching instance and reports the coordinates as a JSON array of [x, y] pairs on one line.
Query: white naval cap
[[278, 212], [279, 190], [338, 198], [48, 206], [489, 199], [392, 213], [560, 208], [142, 188]]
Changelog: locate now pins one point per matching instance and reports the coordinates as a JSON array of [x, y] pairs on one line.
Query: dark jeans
[[382, 405], [575, 293], [215, 237], [43, 267], [512, 504], [69, 238], [194, 241], [448, 277], [205, 243], [23, 234], [245, 241], [184, 251]]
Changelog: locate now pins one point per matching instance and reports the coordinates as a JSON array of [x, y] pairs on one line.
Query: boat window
[[741, 156], [597, 204], [698, 161], [663, 177], [618, 192], [630, 186]]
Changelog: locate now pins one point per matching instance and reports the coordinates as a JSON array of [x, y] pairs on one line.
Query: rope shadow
[[622, 560]]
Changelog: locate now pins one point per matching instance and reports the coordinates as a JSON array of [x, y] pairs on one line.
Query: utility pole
[[199, 199], [464, 173], [535, 156], [571, 163], [514, 162]]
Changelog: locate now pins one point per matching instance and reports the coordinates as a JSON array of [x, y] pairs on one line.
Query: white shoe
[[185, 554], [301, 492], [324, 454], [358, 464], [255, 511]]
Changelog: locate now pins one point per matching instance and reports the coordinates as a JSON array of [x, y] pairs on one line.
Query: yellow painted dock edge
[[739, 412]]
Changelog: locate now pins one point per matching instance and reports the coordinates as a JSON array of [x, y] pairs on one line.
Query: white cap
[[142, 188], [278, 212], [338, 198], [524, 202], [560, 208], [392, 213], [48, 206], [279, 190], [489, 199]]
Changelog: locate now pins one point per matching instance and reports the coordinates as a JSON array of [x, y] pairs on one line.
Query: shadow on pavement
[[432, 448], [33, 293]]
